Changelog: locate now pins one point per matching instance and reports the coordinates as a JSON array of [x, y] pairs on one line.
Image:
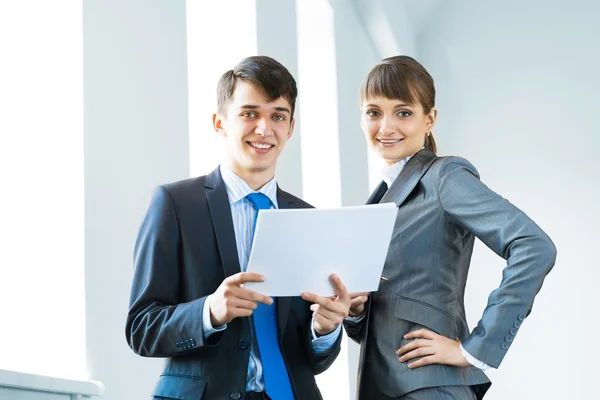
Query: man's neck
[[254, 179]]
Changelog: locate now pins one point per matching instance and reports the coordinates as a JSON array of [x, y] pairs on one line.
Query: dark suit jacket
[[442, 207], [185, 248]]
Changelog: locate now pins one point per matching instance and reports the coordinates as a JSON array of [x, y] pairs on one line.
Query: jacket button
[[192, 342], [505, 346], [517, 324], [513, 331], [243, 344], [235, 396], [509, 338], [522, 317]]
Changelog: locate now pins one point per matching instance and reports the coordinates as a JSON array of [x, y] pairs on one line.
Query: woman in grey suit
[[415, 342]]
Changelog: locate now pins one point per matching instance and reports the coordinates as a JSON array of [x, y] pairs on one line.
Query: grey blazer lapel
[[410, 175], [220, 212], [283, 303], [378, 193]]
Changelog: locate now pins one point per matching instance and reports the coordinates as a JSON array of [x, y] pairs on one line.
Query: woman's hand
[[357, 304], [433, 348]]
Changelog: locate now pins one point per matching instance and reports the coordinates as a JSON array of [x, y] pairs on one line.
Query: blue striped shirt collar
[[237, 188]]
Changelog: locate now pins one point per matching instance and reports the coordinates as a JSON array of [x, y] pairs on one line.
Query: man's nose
[[264, 127]]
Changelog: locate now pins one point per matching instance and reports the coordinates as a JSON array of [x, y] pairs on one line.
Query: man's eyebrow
[[283, 109], [255, 107]]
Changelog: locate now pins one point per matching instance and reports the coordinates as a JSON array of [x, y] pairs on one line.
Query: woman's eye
[[404, 114], [372, 113]]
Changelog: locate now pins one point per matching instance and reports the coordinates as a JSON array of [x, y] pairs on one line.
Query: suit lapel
[[220, 213], [410, 175], [283, 303], [378, 193]]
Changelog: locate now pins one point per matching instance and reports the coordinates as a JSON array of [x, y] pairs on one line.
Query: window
[[215, 44], [41, 173]]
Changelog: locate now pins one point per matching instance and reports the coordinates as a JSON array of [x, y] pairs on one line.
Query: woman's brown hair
[[402, 78]]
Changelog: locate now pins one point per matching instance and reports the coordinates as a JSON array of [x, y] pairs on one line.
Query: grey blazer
[[184, 250], [442, 207]]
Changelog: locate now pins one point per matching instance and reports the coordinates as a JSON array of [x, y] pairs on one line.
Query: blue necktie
[[277, 380]]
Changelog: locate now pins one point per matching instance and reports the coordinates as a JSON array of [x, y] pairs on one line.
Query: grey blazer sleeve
[[529, 252], [356, 327], [157, 324]]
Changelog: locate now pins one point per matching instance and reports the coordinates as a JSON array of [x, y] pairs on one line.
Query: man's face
[[256, 130]]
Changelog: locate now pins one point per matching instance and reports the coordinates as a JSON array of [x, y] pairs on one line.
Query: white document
[[297, 250]]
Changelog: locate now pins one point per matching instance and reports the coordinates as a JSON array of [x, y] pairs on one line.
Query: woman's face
[[393, 129]]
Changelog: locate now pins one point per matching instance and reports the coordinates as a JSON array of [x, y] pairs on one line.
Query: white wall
[[136, 137], [518, 92]]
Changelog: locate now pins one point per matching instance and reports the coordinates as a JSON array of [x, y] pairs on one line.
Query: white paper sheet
[[296, 250]]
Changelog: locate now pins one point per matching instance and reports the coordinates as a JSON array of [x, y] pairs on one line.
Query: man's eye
[[249, 114], [278, 117]]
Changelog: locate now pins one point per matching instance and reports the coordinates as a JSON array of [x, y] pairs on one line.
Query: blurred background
[[101, 100]]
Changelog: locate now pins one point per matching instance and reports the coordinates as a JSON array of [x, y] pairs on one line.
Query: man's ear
[[218, 124], [292, 125]]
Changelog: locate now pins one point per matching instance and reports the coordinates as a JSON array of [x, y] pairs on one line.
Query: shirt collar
[[391, 172], [237, 188]]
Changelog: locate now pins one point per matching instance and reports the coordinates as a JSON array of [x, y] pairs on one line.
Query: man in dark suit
[[188, 302]]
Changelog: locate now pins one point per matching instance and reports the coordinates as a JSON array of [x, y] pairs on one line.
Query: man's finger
[[242, 277], [324, 323], [338, 287], [241, 303], [251, 295], [333, 306], [327, 314], [241, 312], [314, 298]]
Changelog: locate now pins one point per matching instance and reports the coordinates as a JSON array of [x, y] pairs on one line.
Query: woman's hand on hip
[[433, 348]]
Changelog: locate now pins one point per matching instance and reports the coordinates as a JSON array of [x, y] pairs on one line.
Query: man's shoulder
[[296, 202], [185, 184]]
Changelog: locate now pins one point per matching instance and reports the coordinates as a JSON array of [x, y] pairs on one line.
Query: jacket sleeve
[[528, 251], [356, 326], [158, 324], [321, 362]]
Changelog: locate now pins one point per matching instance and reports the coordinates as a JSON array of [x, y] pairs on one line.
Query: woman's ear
[[431, 118]]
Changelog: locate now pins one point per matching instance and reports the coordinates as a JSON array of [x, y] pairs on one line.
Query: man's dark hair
[[263, 72]]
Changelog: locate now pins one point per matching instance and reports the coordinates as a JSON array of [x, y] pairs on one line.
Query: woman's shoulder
[[447, 164]]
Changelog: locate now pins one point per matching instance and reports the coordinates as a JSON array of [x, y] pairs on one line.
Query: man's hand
[[357, 304], [329, 312], [433, 348], [231, 300]]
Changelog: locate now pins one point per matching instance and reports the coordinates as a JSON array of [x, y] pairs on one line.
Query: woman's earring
[[429, 133]]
